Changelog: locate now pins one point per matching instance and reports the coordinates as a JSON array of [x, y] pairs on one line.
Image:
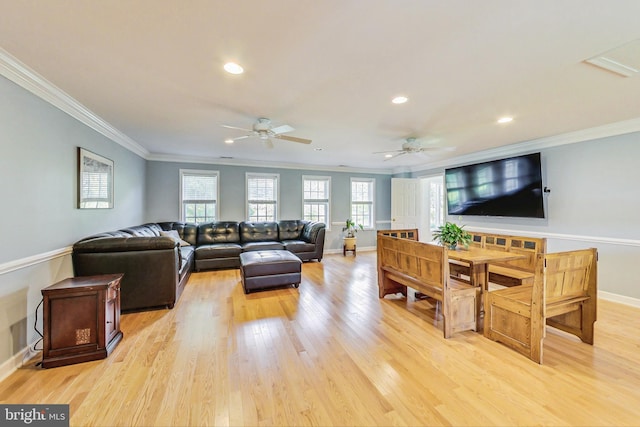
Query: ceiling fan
[[412, 146], [262, 129]]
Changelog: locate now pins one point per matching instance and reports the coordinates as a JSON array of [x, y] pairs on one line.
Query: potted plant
[[350, 229], [450, 235]]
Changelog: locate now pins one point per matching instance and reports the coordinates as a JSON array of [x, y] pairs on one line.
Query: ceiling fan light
[[233, 68]]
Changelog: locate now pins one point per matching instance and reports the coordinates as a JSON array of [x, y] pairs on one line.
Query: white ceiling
[[153, 70]]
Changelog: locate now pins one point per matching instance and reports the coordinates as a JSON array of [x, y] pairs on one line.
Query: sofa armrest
[[312, 231], [123, 244]]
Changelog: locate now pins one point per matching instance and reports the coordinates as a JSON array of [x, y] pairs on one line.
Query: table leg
[[479, 276]]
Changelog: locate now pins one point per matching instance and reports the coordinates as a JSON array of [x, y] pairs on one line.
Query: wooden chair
[[563, 295]]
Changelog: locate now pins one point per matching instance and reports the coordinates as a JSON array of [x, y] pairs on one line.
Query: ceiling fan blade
[[437, 148], [282, 129], [293, 139], [395, 155], [242, 137], [234, 127], [388, 151]]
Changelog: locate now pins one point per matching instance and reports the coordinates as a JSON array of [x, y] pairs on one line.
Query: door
[[405, 203]]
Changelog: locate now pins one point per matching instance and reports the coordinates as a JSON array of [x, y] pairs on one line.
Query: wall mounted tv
[[508, 187]]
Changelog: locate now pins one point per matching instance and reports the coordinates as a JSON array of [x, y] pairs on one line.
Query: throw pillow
[[175, 236]]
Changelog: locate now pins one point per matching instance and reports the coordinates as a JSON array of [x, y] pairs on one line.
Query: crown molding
[[611, 129], [23, 76], [263, 164]]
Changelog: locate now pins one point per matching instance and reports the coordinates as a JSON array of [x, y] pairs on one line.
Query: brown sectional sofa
[[156, 266]]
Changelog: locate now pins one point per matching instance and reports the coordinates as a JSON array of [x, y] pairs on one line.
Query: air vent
[[623, 60]]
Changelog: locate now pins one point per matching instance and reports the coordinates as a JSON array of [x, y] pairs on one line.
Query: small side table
[[81, 319], [345, 250]]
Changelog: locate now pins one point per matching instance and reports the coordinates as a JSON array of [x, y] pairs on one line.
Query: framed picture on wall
[[95, 181]]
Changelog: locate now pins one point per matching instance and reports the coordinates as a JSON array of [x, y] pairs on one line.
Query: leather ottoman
[[269, 269]]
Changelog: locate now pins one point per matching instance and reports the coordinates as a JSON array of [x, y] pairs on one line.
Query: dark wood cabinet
[[81, 319]]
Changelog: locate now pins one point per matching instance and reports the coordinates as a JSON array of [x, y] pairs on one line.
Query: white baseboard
[[17, 361], [608, 296]]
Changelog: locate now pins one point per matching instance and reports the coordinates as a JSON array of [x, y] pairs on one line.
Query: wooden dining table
[[479, 260]]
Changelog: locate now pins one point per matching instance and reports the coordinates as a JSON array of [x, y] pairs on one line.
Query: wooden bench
[[424, 267], [506, 273], [404, 233], [563, 295]]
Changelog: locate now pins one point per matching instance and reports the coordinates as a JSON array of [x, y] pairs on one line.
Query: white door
[[405, 203]]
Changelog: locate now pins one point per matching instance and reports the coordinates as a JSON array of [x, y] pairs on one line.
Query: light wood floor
[[333, 354]]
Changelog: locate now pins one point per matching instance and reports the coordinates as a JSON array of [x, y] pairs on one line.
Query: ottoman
[[269, 269]]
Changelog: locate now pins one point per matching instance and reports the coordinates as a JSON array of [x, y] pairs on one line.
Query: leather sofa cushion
[[262, 246], [297, 246], [186, 254], [259, 232], [219, 232], [290, 229], [145, 230], [311, 230], [218, 250]]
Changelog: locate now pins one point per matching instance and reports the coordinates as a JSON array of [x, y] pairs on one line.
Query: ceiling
[[152, 69]]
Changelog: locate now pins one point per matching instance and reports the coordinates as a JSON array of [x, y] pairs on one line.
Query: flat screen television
[[509, 187]]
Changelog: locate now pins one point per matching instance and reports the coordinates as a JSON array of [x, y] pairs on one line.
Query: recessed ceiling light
[[399, 99], [233, 68], [388, 156], [505, 119], [228, 141]]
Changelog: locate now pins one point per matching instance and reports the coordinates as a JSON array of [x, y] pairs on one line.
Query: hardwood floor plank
[[331, 353]]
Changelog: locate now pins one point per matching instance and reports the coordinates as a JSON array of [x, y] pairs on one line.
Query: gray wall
[[38, 171], [163, 195], [38, 167], [594, 202]]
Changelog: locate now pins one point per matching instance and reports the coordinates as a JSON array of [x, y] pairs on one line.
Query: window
[[434, 196], [262, 197], [199, 196], [315, 196], [362, 201]]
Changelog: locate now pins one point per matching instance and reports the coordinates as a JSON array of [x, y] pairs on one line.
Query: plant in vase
[[450, 235], [350, 229]]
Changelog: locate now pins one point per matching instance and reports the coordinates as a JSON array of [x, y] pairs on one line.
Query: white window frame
[[434, 199], [326, 201], [371, 203], [276, 203], [197, 172]]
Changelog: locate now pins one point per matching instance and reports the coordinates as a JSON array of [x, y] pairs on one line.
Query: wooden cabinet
[[81, 319]]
